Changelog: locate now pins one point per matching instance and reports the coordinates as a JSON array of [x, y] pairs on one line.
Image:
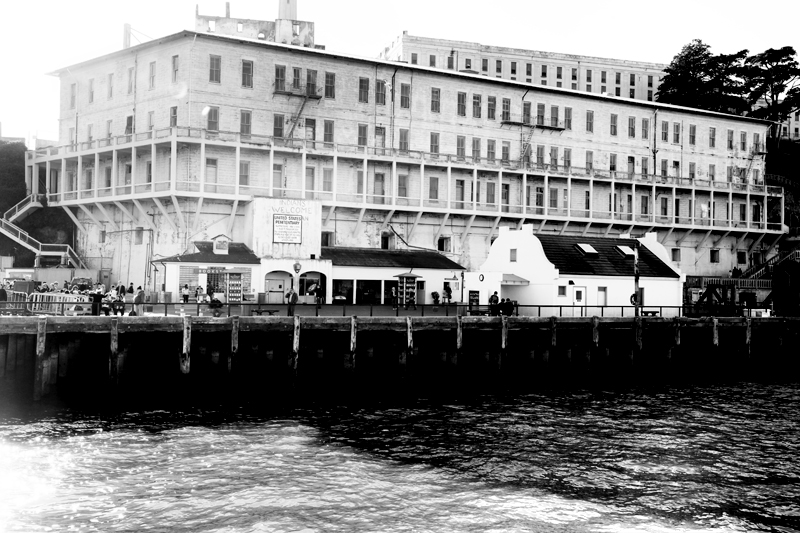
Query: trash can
[[262, 298]]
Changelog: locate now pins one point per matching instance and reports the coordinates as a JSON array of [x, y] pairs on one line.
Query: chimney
[[126, 36], [227, 10]]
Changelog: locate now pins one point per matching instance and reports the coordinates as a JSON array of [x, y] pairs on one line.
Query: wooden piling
[[748, 334], [296, 343], [11, 357], [234, 341], [185, 359], [553, 321], [676, 324], [353, 334], [459, 340], [3, 354], [715, 333], [113, 357], [596, 331], [39, 369], [404, 354], [637, 321], [63, 351]]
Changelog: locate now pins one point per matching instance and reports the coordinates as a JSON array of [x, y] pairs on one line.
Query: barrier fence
[[74, 305]]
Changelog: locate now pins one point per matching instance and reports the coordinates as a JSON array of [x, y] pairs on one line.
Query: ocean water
[[690, 459]]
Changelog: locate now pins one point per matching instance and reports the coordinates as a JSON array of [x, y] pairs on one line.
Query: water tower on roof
[[287, 9]]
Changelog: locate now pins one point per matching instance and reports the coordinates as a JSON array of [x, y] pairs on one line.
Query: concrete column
[[365, 182], [655, 198], [675, 215], [303, 157], [591, 197], [748, 214], [238, 170], [613, 200], [335, 179], [79, 176], [524, 196], [498, 195], [96, 174], [474, 188], [62, 178], [448, 195], [764, 207], [270, 170], [154, 172], [633, 204], [173, 161], [421, 184], [694, 206], [133, 169], [114, 171], [203, 167], [546, 193], [730, 209], [569, 195], [393, 185], [47, 170], [783, 206], [713, 210], [34, 186]]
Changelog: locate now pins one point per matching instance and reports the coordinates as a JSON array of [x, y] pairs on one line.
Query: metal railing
[[25, 202]]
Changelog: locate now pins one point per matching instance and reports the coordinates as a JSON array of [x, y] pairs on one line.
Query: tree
[[697, 78], [773, 82]]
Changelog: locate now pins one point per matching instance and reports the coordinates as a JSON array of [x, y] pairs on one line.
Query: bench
[[260, 312]]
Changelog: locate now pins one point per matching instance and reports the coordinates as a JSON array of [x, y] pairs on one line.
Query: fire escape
[[65, 252]]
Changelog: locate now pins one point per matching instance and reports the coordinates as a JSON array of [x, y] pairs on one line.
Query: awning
[[407, 275], [511, 279]]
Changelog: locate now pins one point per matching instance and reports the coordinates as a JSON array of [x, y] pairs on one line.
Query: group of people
[[115, 300], [500, 307], [68, 288]]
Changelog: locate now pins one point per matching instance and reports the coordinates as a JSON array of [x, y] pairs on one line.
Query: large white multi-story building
[[173, 141]]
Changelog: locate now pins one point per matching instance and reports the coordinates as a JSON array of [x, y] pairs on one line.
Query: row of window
[[559, 71]]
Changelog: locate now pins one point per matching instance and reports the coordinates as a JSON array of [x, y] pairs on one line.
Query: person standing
[[494, 301], [3, 297], [411, 299], [185, 293], [291, 299], [138, 301], [394, 299]]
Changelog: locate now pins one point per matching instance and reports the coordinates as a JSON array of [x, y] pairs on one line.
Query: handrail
[[21, 236], [8, 215]]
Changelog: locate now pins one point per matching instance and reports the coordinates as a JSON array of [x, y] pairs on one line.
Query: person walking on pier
[[291, 299]]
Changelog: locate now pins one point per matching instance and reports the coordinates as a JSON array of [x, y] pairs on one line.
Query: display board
[[234, 288]]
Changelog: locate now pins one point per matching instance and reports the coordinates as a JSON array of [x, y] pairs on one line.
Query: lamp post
[[636, 300]]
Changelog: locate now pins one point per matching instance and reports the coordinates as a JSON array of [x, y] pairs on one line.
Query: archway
[[311, 284], [276, 284]]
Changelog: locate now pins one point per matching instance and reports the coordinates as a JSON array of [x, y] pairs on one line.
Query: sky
[[42, 36]]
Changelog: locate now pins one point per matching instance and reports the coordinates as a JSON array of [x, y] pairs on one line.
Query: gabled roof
[[238, 254], [561, 250], [377, 258]]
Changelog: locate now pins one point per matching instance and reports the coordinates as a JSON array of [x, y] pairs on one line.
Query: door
[[505, 192], [275, 291], [311, 132], [602, 296], [579, 300]]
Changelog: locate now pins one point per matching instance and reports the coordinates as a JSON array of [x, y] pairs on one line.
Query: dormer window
[[625, 251], [587, 250]]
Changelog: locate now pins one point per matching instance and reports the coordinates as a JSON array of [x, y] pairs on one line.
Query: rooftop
[[564, 253], [377, 258], [187, 34], [238, 254]]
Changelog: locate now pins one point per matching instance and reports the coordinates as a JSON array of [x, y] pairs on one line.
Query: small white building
[[583, 274]]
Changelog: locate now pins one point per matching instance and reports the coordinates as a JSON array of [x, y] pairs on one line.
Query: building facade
[[171, 142], [616, 77]]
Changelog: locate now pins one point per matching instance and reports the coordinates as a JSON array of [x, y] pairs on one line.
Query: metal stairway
[[758, 271], [17, 234]]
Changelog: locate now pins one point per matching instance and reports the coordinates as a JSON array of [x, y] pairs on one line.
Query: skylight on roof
[[626, 251], [586, 249]]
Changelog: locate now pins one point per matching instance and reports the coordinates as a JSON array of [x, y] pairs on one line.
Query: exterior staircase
[[64, 251], [758, 271]]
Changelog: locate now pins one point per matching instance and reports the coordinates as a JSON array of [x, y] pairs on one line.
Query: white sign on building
[[287, 229]]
